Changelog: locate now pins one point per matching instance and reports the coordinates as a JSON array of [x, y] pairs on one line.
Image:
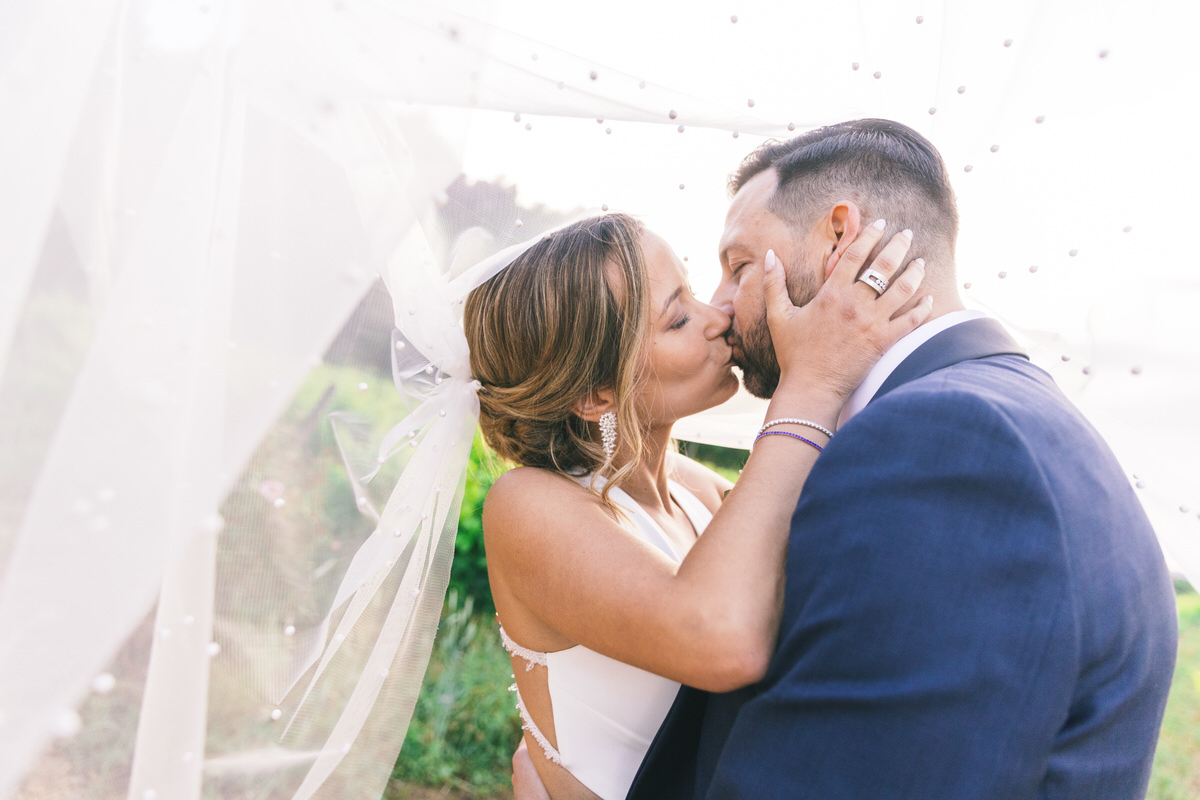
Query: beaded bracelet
[[806, 422], [793, 435]]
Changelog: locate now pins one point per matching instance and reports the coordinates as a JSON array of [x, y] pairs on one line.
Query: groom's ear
[[842, 227], [592, 405]]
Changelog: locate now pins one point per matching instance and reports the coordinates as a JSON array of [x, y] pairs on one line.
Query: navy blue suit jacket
[[976, 607]]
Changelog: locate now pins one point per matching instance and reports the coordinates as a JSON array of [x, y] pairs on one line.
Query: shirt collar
[[895, 355]]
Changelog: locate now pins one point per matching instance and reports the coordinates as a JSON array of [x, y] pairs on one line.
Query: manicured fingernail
[[770, 261], [907, 233], [879, 224], [921, 262]]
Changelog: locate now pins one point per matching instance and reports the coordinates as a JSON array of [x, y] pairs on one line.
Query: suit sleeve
[[928, 640]]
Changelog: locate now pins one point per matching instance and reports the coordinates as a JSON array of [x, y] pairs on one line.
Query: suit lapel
[[976, 338]]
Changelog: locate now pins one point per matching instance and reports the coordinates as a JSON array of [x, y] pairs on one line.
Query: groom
[[976, 605]]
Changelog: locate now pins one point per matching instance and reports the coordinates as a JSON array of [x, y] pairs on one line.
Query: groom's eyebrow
[[670, 300]]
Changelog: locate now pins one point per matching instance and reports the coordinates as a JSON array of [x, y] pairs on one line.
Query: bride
[[588, 348]]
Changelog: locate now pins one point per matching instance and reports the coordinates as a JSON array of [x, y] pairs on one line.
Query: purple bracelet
[[793, 435]]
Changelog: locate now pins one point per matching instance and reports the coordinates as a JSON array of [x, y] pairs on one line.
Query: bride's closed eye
[[683, 321]]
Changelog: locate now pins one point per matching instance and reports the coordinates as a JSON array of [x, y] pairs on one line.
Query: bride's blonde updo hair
[[567, 317]]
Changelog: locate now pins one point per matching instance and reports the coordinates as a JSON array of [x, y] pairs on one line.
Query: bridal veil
[[196, 196]]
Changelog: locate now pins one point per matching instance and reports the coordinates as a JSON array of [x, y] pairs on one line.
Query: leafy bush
[[465, 726], [468, 575], [331, 389]]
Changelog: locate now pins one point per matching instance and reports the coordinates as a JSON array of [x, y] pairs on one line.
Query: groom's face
[[750, 230]]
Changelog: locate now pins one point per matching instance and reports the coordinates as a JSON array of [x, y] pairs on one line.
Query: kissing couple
[[932, 579]]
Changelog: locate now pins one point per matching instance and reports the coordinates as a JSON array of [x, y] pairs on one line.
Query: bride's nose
[[717, 321]]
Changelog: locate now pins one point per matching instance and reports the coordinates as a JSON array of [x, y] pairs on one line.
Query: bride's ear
[[842, 226], [596, 403]]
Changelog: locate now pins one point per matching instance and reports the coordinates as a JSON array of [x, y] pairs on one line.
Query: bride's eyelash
[[686, 319]]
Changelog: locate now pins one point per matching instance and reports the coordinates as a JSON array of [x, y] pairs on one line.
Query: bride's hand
[[835, 339]]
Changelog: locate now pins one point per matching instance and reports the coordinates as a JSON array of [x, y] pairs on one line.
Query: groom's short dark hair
[[889, 169]]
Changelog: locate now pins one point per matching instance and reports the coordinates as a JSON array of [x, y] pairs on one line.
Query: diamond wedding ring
[[875, 279]]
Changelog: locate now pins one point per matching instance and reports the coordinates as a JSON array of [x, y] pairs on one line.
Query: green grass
[[1176, 774]]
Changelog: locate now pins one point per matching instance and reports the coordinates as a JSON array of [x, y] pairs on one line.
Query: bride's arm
[[711, 621]]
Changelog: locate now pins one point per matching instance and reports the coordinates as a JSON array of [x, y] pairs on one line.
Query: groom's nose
[[723, 299]]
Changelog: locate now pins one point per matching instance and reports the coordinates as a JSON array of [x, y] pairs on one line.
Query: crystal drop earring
[[608, 432]]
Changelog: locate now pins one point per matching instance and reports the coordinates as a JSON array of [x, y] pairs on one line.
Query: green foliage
[[465, 726], [1176, 774], [725, 461], [468, 576], [336, 388]]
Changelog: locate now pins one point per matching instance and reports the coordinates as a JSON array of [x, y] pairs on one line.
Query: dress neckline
[[687, 502]]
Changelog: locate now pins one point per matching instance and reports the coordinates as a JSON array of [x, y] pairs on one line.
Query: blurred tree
[[365, 338]]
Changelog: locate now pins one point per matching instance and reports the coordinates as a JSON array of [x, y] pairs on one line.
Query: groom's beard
[[753, 349], [755, 354]]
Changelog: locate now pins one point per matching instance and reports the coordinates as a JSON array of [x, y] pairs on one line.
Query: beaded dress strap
[[528, 724], [532, 658]]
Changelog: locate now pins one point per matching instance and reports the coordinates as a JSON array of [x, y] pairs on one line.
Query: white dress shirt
[[895, 355]]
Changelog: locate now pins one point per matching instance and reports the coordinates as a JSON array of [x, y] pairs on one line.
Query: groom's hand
[[836, 338], [527, 784]]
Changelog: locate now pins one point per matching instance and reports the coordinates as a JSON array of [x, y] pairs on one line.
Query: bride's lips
[[735, 351]]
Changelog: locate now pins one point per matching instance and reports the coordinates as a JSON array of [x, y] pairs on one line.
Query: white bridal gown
[[605, 712]]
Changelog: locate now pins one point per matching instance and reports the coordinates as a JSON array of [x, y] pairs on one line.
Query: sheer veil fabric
[[194, 201]]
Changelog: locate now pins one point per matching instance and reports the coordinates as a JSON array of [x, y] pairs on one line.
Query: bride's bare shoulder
[[518, 482], [526, 495]]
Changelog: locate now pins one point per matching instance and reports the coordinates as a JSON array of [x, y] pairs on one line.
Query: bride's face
[[689, 359]]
